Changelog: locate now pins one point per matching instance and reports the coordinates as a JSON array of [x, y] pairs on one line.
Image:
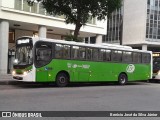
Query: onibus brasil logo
[[130, 68]]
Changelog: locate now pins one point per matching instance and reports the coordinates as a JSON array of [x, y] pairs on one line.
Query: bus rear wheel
[[122, 79], [62, 80]]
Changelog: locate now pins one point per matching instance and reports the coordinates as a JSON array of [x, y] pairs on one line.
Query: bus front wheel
[[122, 79], [62, 80]]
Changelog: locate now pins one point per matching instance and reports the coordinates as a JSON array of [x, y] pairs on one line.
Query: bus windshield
[[24, 55]]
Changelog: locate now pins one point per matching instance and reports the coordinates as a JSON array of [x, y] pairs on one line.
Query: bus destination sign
[[24, 41]]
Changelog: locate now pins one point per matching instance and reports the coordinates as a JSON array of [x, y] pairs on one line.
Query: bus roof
[[103, 45]]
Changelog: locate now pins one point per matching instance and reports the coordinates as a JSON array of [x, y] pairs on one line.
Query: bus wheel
[[62, 80], [122, 79]]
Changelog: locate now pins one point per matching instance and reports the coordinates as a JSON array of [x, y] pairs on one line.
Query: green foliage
[[78, 12], [70, 37]]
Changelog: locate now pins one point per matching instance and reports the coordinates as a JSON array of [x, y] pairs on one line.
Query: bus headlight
[[15, 61], [24, 73], [13, 72]]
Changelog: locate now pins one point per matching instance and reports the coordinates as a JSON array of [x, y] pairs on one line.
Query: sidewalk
[[5, 78]]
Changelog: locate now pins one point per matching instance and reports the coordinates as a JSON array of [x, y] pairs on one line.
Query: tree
[[78, 12]]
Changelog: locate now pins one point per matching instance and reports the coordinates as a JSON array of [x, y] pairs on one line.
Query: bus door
[[81, 72], [41, 74], [43, 57], [44, 74]]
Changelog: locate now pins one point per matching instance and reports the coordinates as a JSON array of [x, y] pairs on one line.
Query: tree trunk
[[76, 31]]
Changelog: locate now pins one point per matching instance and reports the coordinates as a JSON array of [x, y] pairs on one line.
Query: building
[[141, 25], [18, 19], [114, 27]]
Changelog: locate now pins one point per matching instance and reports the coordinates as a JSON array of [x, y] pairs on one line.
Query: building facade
[[137, 24], [114, 27], [18, 19]]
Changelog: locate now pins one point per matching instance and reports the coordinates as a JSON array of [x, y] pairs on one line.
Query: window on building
[[26, 7], [11, 37], [18, 4], [41, 9], [34, 7]]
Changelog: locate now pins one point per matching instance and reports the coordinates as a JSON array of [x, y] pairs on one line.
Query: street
[[136, 96]]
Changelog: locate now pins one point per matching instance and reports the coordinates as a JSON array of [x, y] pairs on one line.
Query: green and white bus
[[63, 62]]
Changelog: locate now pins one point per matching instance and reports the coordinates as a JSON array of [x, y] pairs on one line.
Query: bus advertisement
[[63, 62]]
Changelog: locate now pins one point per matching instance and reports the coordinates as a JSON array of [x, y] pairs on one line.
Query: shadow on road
[[52, 85]]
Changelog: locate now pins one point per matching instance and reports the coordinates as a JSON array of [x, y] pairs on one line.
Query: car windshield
[[24, 55]]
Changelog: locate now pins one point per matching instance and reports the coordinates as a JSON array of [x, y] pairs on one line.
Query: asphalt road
[[137, 96]]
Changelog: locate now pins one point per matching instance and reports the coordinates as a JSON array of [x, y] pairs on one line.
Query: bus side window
[[104, 55], [82, 53], [146, 58], [108, 55], [74, 52], [66, 51], [137, 57], [44, 54], [89, 53], [58, 51], [127, 56], [95, 54], [116, 55], [101, 54]]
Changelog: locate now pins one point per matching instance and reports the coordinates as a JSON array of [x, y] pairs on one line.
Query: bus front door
[[41, 74], [81, 73]]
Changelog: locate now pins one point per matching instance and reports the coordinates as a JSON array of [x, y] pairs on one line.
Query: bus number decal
[[130, 68], [78, 66]]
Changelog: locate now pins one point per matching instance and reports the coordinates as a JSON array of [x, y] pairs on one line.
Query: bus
[[63, 62], [156, 66]]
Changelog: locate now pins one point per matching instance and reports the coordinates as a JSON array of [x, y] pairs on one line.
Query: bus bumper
[[28, 77], [156, 77]]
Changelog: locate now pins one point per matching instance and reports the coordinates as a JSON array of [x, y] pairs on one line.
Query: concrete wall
[[52, 36], [8, 12], [8, 3], [4, 30], [134, 21], [20, 33]]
